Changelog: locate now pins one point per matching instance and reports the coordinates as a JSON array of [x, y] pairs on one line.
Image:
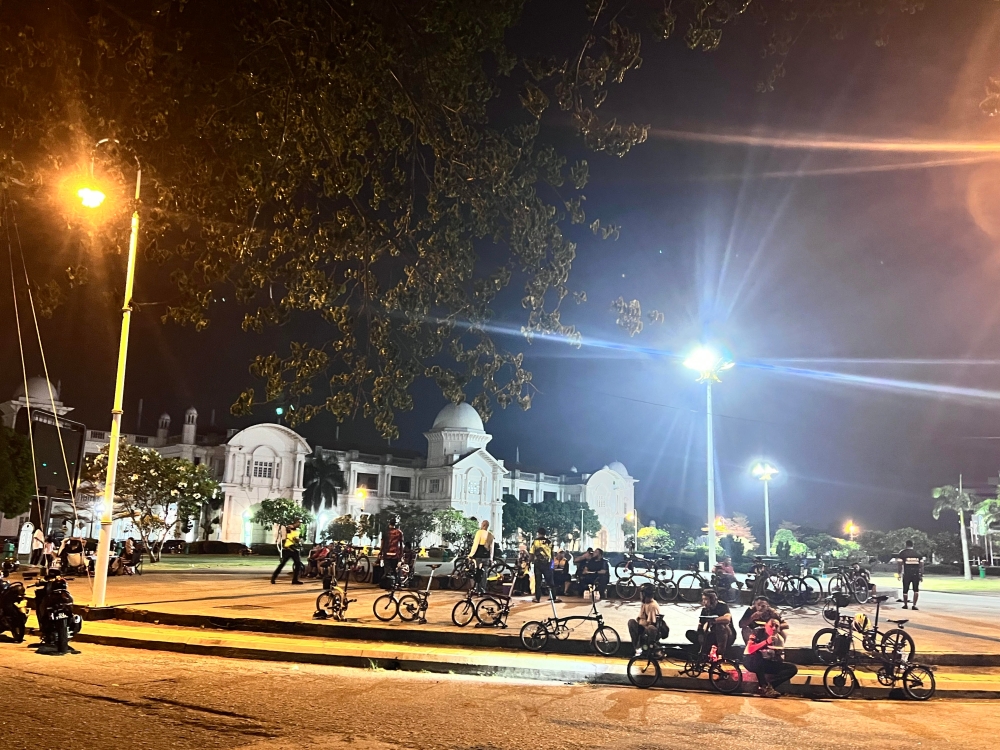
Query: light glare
[[764, 471], [90, 198]]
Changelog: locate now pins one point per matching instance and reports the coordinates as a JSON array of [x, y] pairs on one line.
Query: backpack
[[541, 554]]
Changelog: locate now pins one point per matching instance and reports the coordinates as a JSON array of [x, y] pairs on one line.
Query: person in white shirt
[[645, 623], [37, 542], [482, 549]]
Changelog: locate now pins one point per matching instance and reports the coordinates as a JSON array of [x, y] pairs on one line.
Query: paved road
[[108, 699]]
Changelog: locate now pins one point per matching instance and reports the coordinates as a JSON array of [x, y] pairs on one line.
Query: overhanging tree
[[519, 519], [323, 479], [324, 160]]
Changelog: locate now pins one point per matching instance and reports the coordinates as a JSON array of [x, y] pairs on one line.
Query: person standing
[[48, 553], [391, 551], [482, 550], [911, 568], [290, 551], [37, 543], [541, 561]]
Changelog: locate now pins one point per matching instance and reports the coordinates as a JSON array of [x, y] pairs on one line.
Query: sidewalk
[[964, 684]]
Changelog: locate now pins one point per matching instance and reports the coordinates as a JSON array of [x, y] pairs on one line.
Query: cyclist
[[716, 625], [391, 551], [725, 573], [765, 657], [290, 551], [757, 613], [482, 549], [646, 623], [541, 560], [911, 568]]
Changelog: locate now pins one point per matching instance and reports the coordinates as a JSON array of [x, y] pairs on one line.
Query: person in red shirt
[[392, 549]]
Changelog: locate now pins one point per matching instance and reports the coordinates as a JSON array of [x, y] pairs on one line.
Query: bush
[[943, 570], [196, 548], [215, 548]]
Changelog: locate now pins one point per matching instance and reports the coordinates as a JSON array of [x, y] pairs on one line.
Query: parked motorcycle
[[13, 608], [56, 619]]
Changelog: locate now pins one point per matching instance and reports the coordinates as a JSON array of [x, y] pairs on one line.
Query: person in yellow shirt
[[541, 559], [290, 551]]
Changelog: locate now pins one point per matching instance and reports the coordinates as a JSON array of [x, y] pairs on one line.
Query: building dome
[[458, 417], [619, 468], [38, 390]]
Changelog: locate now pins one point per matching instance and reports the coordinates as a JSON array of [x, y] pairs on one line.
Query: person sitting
[[581, 566], [317, 556], [715, 627], [765, 658], [597, 573], [644, 628], [725, 573], [522, 573], [560, 572], [759, 612]]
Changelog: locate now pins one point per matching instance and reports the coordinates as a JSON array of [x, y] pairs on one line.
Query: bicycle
[[413, 606], [493, 609], [465, 609], [853, 582], [919, 684], [691, 584], [724, 675], [334, 602], [387, 606], [894, 645], [536, 634]]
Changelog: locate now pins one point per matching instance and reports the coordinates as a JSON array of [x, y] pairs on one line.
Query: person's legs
[[782, 673], [916, 591], [390, 568], [906, 592], [635, 632], [721, 635], [277, 571], [602, 584], [694, 636], [539, 581], [296, 566]]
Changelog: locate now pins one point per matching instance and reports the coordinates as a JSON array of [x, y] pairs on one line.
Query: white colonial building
[[269, 461]]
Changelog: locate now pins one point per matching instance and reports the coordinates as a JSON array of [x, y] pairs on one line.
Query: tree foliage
[[341, 529], [339, 162], [158, 495], [655, 540], [323, 478], [414, 520], [784, 540], [453, 525], [561, 519], [519, 519], [17, 479], [281, 511]]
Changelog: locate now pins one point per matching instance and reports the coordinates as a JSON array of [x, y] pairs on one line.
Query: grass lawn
[[173, 563], [949, 584]]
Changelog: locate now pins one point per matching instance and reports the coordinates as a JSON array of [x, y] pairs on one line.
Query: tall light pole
[[92, 198], [764, 472], [708, 364]]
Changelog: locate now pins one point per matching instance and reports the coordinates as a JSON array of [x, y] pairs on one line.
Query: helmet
[[861, 622]]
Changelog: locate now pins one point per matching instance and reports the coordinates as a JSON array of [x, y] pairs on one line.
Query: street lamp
[[765, 472], [851, 529], [708, 363], [92, 198]]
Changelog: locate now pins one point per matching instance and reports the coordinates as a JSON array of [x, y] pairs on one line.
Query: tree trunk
[[965, 546]]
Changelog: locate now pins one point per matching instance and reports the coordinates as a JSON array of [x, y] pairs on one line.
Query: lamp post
[[764, 472], [708, 364], [92, 198], [851, 529]]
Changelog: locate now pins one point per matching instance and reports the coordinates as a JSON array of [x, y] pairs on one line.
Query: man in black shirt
[[597, 572], [911, 568], [715, 627]]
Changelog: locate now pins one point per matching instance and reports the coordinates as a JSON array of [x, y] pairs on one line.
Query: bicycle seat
[[898, 622], [881, 599], [435, 566]]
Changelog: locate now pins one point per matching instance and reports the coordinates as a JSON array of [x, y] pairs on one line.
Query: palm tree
[[323, 478], [952, 498]]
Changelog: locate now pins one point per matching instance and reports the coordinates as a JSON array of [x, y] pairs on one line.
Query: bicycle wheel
[[623, 569], [689, 587], [410, 607], [810, 589], [665, 592], [385, 607], [490, 612], [919, 683], [463, 612], [329, 601], [824, 645], [459, 577], [774, 589], [839, 681], [643, 671], [534, 635], [725, 676], [626, 588], [606, 641], [897, 644], [862, 592], [362, 569], [838, 585]]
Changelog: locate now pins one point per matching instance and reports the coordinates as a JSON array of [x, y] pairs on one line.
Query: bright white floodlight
[[707, 362], [763, 471]]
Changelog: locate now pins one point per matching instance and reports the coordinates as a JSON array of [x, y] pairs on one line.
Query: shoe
[[770, 692], [298, 583], [273, 581], [558, 601], [914, 608], [906, 606], [538, 601]]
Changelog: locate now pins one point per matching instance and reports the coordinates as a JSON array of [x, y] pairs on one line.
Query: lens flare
[[90, 198]]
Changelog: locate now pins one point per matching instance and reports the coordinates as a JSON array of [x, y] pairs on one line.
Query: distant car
[[173, 547]]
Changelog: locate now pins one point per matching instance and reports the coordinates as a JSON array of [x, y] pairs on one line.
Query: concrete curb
[[607, 672], [470, 637]]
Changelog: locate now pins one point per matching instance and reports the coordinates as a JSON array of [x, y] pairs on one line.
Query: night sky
[[803, 252]]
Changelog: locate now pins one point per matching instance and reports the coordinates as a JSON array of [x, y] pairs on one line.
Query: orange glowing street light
[[851, 529], [90, 197]]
